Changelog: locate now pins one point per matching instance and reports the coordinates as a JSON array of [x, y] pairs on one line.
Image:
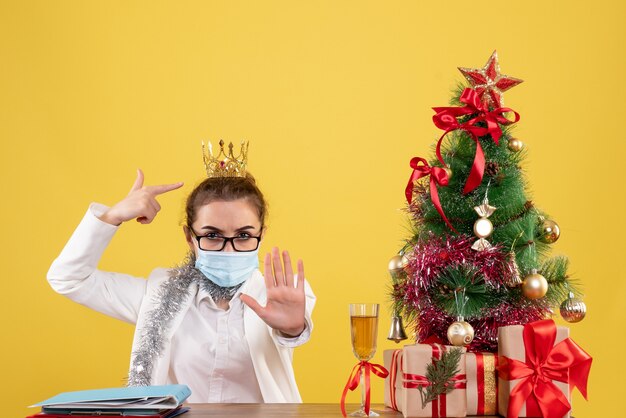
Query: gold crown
[[225, 164]]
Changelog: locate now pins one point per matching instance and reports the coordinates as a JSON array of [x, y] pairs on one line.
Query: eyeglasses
[[244, 242]]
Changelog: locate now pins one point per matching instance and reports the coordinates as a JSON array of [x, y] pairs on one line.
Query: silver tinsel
[[170, 296]]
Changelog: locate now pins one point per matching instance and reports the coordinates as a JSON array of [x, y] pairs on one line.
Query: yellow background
[[335, 98]]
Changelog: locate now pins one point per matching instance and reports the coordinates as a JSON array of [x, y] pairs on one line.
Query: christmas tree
[[478, 255]]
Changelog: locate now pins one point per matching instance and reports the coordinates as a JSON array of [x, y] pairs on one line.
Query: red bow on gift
[[438, 176], [565, 362], [446, 119], [366, 368], [438, 406]]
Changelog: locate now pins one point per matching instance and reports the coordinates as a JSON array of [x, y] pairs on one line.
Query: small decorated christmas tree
[[478, 258]]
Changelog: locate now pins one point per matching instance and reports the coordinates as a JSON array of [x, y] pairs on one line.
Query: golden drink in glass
[[364, 331]]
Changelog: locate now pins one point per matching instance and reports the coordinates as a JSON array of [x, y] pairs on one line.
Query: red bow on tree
[[438, 176], [446, 119], [565, 362]]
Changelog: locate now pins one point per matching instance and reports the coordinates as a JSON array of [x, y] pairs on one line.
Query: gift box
[[416, 384], [538, 367], [482, 388], [394, 391]]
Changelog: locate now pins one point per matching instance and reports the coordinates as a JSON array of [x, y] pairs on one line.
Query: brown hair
[[226, 189]]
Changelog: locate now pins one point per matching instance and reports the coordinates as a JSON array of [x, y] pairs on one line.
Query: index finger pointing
[[164, 188]]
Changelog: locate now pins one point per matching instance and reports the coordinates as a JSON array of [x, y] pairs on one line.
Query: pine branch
[[464, 279], [559, 283], [439, 374]]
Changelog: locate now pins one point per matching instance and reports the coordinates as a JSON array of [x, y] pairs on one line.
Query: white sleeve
[[74, 273], [292, 342]]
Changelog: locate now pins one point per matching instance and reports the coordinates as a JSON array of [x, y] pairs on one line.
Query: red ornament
[[488, 82]]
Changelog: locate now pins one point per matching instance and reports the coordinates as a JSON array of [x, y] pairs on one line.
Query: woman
[[215, 323]]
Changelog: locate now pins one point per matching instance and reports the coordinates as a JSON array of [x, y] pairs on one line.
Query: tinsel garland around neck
[[171, 295]]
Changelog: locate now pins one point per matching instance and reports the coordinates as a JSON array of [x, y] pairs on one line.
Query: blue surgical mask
[[227, 269]]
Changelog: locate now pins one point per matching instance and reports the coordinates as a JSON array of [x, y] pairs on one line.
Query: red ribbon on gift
[[438, 176], [565, 362], [393, 375], [446, 119], [480, 383], [414, 381], [366, 368]]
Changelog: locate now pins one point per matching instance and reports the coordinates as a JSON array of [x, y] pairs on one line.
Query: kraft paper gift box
[[538, 366], [415, 359], [482, 389], [394, 391]]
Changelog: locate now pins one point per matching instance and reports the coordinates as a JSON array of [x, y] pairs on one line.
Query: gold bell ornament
[[396, 266], [396, 331]]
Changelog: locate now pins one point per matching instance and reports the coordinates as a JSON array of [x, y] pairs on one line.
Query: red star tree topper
[[488, 82]]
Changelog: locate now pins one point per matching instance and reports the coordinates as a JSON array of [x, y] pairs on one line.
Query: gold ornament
[[483, 226], [397, 263], [448, 171], [515, 145], [534, 286], [225, 164], [573, 309], [514, 279], [460, 333], [550, 231]]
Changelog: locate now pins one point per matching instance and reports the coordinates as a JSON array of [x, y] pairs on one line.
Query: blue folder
[[136, 398]]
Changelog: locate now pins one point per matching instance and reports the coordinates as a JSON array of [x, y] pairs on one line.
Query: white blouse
[[210, 353]]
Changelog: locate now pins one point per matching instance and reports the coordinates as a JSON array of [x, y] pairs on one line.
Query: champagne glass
[[364, 329]]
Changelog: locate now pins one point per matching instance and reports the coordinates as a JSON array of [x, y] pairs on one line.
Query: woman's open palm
[[285, 307]]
